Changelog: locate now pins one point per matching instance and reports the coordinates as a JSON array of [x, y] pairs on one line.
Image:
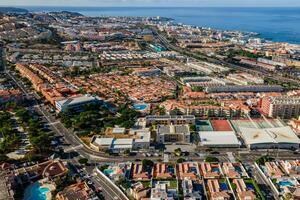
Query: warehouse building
[[269, 138], [225, 139]]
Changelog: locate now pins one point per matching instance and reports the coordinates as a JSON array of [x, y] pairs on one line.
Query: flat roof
[[123, 142], [103, 141], [118, 130], [218, 138], [76, 100], [269, 135]]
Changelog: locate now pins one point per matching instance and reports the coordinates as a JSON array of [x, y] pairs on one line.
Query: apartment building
[[173, 134], [170, 119], [226, 109], [245, 88], [282, 106]]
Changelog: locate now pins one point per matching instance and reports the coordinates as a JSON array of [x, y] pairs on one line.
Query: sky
[[154, 3]]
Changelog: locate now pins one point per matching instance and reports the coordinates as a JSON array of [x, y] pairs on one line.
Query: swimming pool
[[35, 192], [223, 186], [108, 171], [140, 107], [285, 183]]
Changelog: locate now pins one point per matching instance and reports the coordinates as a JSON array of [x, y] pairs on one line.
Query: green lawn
[[173, 184]]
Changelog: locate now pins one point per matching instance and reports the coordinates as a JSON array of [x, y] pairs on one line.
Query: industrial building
[[269, 138], [225, 139]]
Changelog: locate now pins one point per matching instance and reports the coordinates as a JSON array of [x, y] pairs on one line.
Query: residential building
[[281, 106], [138, 191], [291, 167], [245, 88], [11, 96], [191, 190], [242, 190], [160, 192], [161, 171], [188, 170], [173, 134], [138, 172], [78, 191], [273, 170], [210, 170], [215, 190], [170, 119], [234, 170]]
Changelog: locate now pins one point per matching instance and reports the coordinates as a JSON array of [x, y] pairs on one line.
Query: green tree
[[180, 160], [211, 159], [147, 164], [83, 161]]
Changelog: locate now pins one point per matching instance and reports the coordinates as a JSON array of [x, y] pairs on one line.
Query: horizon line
[[66, 6]]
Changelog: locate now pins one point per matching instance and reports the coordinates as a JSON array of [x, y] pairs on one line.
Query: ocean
[[276, 24]]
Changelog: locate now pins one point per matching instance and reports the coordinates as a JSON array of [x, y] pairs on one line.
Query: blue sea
[[276, 24]]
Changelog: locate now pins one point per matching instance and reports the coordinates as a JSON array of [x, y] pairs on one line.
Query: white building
[[135, 140], [75, 102], [279, 137], [219, 139]]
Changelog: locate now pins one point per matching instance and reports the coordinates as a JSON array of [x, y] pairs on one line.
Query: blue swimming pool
[[223, 186], [108, 171], [35, 192], [140, 107], [285, 183]]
